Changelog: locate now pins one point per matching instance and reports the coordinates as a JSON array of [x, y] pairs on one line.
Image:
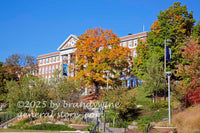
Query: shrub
[[52, 127], [6, 116], [125, 99], [155, 106]]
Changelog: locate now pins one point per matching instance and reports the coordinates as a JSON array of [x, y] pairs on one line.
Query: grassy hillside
[[188, 121]]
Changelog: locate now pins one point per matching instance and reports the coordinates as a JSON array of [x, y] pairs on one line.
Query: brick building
[[48, 63]]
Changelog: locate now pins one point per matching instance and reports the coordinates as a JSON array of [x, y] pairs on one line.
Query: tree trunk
[[96, 90]]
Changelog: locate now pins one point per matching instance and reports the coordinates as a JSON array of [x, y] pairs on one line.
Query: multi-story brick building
[[48, 63]]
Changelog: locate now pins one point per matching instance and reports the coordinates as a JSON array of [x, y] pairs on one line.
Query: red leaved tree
[[188, 89]]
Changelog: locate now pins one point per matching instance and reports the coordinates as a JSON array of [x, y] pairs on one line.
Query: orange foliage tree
[[98, 51]]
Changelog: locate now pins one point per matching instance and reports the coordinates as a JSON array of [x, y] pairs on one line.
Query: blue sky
[[36, 27]]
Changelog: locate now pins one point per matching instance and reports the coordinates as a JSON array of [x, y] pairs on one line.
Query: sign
[[65, 69], [168, 54]]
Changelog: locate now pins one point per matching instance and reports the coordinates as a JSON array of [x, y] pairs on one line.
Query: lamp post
[[107, 78], [168, 74], [165, 41]]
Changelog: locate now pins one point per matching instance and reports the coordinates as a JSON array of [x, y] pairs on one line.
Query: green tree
[[175, 24], [125, 101], [65, 91], [153, 76], [3, 91], [29, 90], [5, 75], [196, 32]]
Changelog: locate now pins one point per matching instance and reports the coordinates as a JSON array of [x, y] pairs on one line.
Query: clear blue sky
[[35, 27]]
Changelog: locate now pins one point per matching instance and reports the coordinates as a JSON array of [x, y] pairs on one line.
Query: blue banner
[[65, 69], [168, 54]]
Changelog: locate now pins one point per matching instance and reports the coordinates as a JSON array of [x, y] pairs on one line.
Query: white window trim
[[124, 44], [50, 60], [135, 41], [130, 44], [49, 69], [53, 69], [46, 70]]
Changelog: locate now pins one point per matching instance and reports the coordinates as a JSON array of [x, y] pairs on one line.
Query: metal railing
[[96, 128], [148, 128], [124, 123], [4, 119], [105, 122]]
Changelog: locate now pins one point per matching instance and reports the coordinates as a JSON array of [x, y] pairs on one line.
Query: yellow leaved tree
[[98, 51]]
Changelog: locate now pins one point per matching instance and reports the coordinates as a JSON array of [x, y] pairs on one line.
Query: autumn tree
[[20, 64], [175, 24], [188, 89], [98, 51], [139, 62]]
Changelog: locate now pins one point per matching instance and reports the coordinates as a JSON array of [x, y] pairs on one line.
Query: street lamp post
[[168, 74], [165, 41], [107, 78]]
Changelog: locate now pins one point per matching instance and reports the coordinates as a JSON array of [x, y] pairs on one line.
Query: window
[[46, 60], [43, 70], [50, 60], [130, 44], [109, 46], [40, 61], [124, 44], [53, 69], [135, 54], [46, 70], [43, 61], [56, 66], [56, 58], [49, 78], [135, 43], [53, 59], [49, 69], [40, 71]]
